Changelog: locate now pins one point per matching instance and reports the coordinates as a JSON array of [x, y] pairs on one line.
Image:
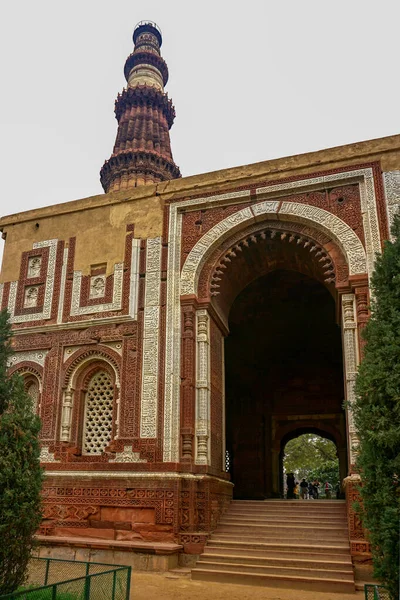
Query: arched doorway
[[283, 358], [313, 454]]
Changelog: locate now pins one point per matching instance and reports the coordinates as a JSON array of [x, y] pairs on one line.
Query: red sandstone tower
[[142, 151]]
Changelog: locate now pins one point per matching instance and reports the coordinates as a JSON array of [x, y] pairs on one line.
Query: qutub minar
[[175, 333]]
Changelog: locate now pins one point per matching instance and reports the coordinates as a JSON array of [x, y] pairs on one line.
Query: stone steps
[[267, 561], [272, 539], [289, 544], [284, 515], [275, 580], [227, 525], [339, 553], [250, 567]]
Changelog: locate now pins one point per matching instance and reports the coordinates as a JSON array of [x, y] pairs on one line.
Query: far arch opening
[[284, 372], [314, 455]]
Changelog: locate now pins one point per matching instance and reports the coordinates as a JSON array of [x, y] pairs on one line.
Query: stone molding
[[136, 475], [151, 331]]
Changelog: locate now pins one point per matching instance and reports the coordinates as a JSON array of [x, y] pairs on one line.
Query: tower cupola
[[142, 151]]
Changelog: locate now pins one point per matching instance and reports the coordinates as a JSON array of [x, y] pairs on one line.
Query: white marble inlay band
[[151, 334], [392, 192], [134, 282]]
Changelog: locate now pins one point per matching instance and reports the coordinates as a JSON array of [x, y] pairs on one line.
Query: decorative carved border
[[151, 331], [34, 356], [392, 191], [116, 304], [291, 211], [134, 279], [45, 314]]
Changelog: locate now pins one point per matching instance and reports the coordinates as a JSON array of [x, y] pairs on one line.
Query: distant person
[[328, 490], [338, 491], [316, 489], [303, 489], [310, 491], [296, 490], [290, 486]]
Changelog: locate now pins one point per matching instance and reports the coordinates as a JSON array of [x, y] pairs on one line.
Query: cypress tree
[[377, 416], [20, 471]]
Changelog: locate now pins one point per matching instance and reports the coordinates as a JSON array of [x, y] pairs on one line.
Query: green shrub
[[20, 472], [377, 416]]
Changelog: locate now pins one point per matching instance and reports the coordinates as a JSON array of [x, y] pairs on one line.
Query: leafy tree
[[20, 471], [377, 416], [312, 457]]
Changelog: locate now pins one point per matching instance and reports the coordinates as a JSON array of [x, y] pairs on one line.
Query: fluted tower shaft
[[142, 151]]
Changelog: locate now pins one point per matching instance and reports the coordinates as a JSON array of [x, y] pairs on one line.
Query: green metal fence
[[56, 579], [376, 592]]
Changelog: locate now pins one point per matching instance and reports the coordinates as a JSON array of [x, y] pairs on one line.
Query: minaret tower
[[142, 151]]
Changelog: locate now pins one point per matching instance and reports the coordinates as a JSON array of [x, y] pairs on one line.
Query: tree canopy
[[312, 457], [377, 416]]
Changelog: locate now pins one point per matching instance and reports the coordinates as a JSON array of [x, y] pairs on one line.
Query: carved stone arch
[[316, 218], [26, 367], [313, 252], [80, 369], [85, 356], [32, 374]]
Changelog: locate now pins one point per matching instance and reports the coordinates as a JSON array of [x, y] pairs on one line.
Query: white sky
[[250, 80]]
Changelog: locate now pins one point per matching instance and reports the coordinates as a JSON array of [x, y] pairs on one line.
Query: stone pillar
[[66, 415], [187, 383], [362, 302], [351, 359], [359, 546], [203, 388]]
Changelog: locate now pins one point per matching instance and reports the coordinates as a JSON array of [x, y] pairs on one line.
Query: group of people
[[306, 490]]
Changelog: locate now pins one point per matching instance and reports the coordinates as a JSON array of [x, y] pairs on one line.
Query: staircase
[[300, 544]]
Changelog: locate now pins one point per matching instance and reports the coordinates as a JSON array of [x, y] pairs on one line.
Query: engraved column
[[362, 301], [351, 360], [203, 387], [187, 385], [66, 415]]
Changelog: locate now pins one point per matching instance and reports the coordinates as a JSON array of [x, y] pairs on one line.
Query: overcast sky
[[250, 80]]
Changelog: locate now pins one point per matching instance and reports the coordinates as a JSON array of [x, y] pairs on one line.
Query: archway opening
[[310, 458], [283, 364]]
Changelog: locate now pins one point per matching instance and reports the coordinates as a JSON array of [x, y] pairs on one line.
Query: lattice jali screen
[[98, 414], [32, 388]]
